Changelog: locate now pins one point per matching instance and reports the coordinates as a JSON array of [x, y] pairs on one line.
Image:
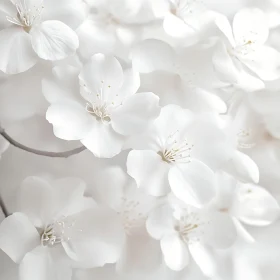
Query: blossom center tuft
[[176, 151], [26, 16]]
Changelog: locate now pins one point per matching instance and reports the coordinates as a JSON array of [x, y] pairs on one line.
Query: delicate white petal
[[160, 222], [209, 100], [242, 231], [224, 65], [70, 12], [175, 252], [220, 231], [70, 120], [193, 183], [203, 258], [131, 83], [16, 53], [97, 238], [36, 200], [254, 205], [250, 24], [103, 141], [54, 40], [140, 252], [248, 82], [136, 112], [40, 264], [62, 85], [265, 62], [243, 167], [224, 25], [152, 55], [149, 171], [18, 236], [103, 77], [176, 27]]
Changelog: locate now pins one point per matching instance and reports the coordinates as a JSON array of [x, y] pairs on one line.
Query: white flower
[[243, 52], [185, 231], [247, 204], [58, 228], [244, 130], [182, 18], [105, 111], [133, 207], [38, 28], [177, 150]]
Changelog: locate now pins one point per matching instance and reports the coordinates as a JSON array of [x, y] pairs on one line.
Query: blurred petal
[[243, 167], [18, 236], [152, 55], [250, 24], [254, 205], [136, 112], [40, 264], [175, 252]]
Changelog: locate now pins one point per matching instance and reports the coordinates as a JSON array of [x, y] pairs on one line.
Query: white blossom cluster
[[140, 139]]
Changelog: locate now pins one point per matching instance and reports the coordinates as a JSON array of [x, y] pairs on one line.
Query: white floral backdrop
[[139, 139]]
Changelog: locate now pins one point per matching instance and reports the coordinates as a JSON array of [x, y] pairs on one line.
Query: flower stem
[[65, 154]]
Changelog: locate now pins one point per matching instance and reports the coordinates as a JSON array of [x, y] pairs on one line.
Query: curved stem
[[3, 207], [65, 154]]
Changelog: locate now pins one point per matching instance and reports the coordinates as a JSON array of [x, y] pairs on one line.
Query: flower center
[[176, 151], [243, 139], [99, 112], [188, 227], [132, 217], [26, 16], [57, 232]]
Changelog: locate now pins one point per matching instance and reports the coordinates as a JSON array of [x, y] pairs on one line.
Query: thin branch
[[65, 154], [3, 207]]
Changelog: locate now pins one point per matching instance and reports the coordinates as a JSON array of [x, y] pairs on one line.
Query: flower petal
[[265, 62], [54, 40], [243, 167], [149, 171], [18, 236], [250, 24], [203, 258], [254, 205], [175, 252], [152, 55], [103, 141], [193, 183], [220, 231], [70, 120], [224, 64], [99, 240], [224, 25], [16, 53], [102, 77], [176, 27], [40, 264], [160, 222], [36, 200], [136, 112], [70, 12]]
